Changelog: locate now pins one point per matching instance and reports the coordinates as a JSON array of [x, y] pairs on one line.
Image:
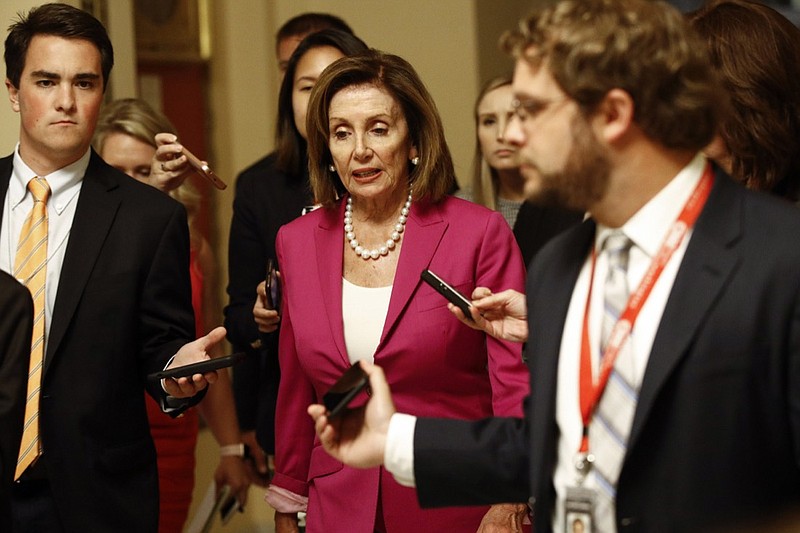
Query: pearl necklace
[[390, 244]]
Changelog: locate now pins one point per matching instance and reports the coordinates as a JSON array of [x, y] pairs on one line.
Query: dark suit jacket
[[716, 434], [122, 309], [536, 225], [265, 200], [16, 321]]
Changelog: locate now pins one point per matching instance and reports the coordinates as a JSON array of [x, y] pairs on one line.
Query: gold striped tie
[[30, 267]]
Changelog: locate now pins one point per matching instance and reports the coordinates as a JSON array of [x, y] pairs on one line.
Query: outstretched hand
[[169, 166], [193, 352], [357, 437], [503, 315]]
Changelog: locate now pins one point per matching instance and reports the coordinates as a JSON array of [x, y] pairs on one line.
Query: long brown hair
[[756, 52]]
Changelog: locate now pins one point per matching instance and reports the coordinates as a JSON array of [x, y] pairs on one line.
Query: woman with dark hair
[[381, 170], [756, 52], [269, 194]]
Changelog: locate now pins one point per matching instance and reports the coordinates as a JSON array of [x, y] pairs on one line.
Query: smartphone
[[273, 287], [204, 170], [228, 507], [201, 367], [452, 295], [353, 381]]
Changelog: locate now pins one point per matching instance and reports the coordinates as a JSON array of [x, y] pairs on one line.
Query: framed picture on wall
[[172, 30]]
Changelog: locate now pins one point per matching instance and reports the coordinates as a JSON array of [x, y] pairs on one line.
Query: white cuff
[[398, 458], [163, 387]]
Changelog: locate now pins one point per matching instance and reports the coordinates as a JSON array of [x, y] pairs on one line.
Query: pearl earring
[[332, 168], [415, 161]]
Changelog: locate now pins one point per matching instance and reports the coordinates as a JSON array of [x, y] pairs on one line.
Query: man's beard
[[584, 179]]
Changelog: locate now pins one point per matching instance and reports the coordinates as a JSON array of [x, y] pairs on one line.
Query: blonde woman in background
[[497, 182], [125, 138]]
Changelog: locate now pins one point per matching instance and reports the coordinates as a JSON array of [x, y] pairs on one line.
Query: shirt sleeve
[[398, 457]]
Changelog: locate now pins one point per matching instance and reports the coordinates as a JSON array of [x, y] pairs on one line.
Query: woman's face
[[128, 154], [494, 112], [308, 69], [370, 142]]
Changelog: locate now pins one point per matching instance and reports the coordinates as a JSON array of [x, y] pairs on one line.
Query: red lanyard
[[591, 392]]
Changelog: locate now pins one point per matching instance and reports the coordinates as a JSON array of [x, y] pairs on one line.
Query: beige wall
[[442, 39], [123, 77], [451, 43]]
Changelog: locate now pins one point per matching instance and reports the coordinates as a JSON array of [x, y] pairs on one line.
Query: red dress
[[175, 440]]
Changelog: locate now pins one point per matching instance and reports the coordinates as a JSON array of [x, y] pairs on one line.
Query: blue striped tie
[[611, 423]]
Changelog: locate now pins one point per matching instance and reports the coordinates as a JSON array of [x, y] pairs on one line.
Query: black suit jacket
[[716, 434], [536, 225], [16, 321], [265, 200], [122, 309]]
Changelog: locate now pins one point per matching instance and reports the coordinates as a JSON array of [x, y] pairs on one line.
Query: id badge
[[579, 510]]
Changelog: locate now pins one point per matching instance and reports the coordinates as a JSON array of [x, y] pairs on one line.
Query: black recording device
[[353, 381]]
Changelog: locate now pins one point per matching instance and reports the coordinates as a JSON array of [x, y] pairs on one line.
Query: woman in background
[[125, 139], [756, 52], [269, 194], [496, 180]]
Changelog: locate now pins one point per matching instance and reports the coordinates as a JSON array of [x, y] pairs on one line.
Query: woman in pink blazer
[[350, 273]]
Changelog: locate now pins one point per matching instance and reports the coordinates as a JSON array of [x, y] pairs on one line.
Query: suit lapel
[[5, 177], [328, 237], [425, 228], [424, 231], [94, 214], [549, 293], [708, 263]]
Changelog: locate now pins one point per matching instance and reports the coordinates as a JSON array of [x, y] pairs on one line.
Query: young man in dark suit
[[116, 299], [698, 423], [16, 321]]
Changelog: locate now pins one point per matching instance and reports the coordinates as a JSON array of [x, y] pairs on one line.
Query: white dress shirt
[[647, 229], [65, 184]]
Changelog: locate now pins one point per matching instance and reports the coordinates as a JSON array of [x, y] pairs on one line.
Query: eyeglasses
[[532, 109]]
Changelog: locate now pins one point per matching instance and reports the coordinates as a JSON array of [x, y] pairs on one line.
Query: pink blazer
[[435, 365]]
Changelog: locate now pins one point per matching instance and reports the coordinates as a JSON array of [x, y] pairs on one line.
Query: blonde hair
[[136, 118], [484, 178]]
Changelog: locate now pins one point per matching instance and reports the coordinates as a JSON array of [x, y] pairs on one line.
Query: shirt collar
[[649, 225], [62, 182]]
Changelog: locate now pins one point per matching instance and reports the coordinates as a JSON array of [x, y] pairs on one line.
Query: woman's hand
[[286, 523], [504, 518], [169, 167], [266, 318], [503, 315], [258, 463], [232, 471]]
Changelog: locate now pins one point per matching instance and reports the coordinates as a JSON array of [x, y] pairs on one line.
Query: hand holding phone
[[353, 381], [452, 295], [273, 287], [230, 504], [201, 367], [204, 170]]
